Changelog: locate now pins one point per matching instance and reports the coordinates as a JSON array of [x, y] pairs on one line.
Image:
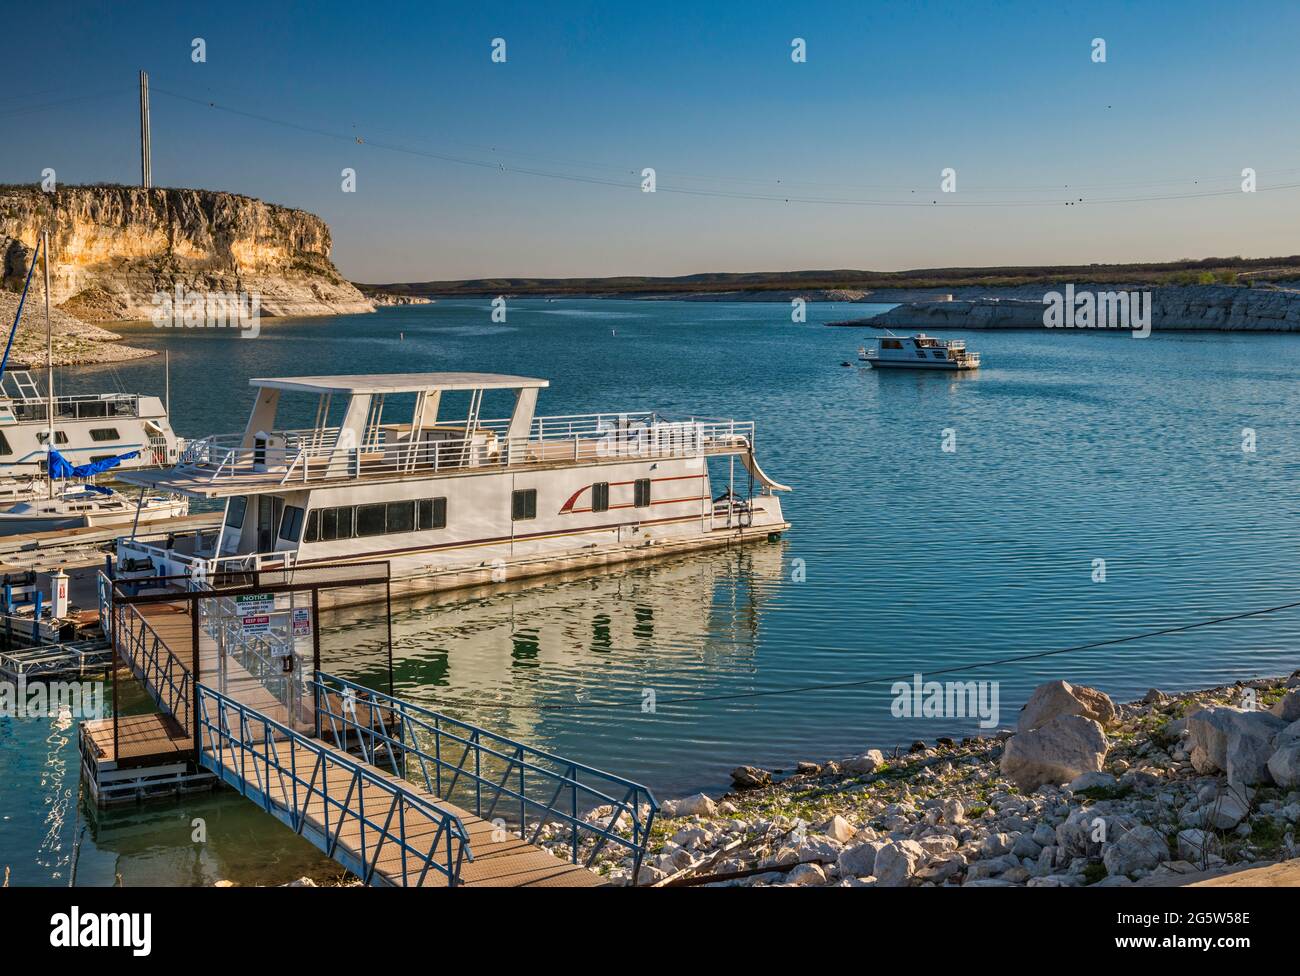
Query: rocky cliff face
[[113, 248], [1214, 307]]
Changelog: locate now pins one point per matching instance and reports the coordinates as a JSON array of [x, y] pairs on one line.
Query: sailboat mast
[[49, 367]]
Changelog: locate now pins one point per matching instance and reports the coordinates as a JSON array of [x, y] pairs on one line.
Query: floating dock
[[397, 794]]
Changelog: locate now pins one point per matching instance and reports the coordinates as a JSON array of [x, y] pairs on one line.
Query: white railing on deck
[[313, 455]]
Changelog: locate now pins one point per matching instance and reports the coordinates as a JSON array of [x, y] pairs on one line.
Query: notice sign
[[256, 625], [254, 604], [302, 622]]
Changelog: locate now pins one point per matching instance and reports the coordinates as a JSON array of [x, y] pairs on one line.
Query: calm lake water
[[903, 557]]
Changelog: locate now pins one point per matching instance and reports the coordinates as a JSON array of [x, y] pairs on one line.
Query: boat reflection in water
[[525, 659]]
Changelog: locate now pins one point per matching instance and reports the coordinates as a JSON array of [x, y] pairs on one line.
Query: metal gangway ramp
[[397, 793]]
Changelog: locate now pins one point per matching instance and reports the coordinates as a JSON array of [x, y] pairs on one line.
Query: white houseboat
[[449, 498], [919, 352], [87, 428]]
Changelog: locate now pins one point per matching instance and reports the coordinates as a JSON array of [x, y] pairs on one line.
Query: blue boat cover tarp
[[61, 467]]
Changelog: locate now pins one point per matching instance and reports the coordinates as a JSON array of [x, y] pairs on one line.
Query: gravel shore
[[1092, 794]]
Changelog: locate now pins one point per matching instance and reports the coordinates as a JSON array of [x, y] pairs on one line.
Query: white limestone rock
[[1057, 752], [896, 862], [1057, 698], [1233, 740], [1139, 849]]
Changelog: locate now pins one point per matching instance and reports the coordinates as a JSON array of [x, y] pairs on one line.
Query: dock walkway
[[373, 813]]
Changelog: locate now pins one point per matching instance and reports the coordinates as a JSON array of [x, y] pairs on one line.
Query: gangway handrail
[[379, 744], [348, 799]]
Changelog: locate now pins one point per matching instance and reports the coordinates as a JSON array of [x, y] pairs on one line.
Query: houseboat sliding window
[[336, 523], [600, 496], [5, 449], [313, 526], [370, 519], [433, 513], [235, 512], [400, 517], [59, 437], [104, 434], [642, 493], [291, 523], [523, 504], [890, 344]]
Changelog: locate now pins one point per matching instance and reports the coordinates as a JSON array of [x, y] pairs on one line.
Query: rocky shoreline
[[1082, 792], [76, 343], [1173, 308]]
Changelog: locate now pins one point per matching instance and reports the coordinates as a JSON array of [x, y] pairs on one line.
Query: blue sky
[[891, 94]]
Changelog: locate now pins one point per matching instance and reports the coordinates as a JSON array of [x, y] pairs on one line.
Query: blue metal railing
[[325, 798], [165, 677], [494, 777]]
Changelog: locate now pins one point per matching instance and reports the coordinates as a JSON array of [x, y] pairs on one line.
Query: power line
[[877, 679], [634, 184]]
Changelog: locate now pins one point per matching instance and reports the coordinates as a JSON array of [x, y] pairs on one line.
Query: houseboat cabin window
[[642, 492], [5, 449], [600, 497], [104, 434], [291, 523], [370, 519], [235, 512], [59, 437], [523, 504], [890, 344], [381, 518], [433, 513], [400, 517]]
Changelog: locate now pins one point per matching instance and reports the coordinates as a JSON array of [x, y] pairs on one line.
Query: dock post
[[117, 702], [194, 638], [315, 657]]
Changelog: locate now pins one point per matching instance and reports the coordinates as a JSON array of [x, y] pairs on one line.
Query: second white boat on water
[[919, 351]]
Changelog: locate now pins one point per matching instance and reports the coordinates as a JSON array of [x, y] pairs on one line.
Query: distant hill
[[858, 285]]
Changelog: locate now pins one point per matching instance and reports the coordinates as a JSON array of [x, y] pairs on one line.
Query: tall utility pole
[[146, 168]]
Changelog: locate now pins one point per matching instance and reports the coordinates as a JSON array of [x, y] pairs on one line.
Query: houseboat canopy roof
[[398, 383]]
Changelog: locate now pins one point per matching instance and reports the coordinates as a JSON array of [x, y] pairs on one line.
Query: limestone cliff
[[113, 248]]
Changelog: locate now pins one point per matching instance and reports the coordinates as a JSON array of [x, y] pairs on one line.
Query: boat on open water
[[919, 351]]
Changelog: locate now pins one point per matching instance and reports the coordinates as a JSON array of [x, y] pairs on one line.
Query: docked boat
[[448, 498], [87, 428], [86, 505], [919, 352]]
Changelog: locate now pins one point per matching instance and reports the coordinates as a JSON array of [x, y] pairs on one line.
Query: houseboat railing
[[590, 438], [496, 778], [78, 407], [358, 817]]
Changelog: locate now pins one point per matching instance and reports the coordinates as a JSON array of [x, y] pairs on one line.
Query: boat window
[[642, 493], [600, 497], [890, 344], [5, 449], [59, 437], [235, 512], [291, 523], [336, 523], [401, 517], [371, 519], [313, 526], [523, 504], [104, 434], [433, 513]]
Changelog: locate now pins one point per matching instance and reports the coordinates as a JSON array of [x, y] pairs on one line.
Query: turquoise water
[[902, 558]]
